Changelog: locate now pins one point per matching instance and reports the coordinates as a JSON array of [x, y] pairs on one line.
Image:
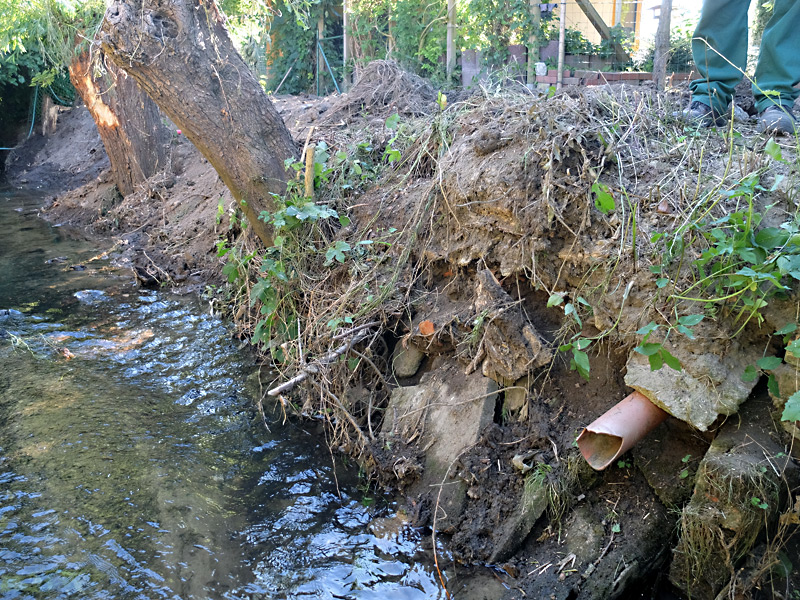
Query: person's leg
[[778, 69], [719, 49]]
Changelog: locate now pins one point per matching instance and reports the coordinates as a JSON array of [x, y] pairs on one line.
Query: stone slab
[[444, 416], [708, 385]]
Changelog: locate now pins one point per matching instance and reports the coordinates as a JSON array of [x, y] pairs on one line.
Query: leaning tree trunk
[[182, 56], [129, 123]]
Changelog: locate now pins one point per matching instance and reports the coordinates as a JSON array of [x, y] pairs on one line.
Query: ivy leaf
[[791, 412], [662, 282], [581, 360], [672, 362], [392, 122], [582, 343], [656, 361], [648, 349], [686, 331], [259, 290], [786, 329], [569, 309], [603, 199], [770, 238], [750, 373], [768, 363], [755, 256], [336, 252], [772, 386], [647, 329], [231, 271], [555, 300], [789, 265], [774, 150], [690, 320]]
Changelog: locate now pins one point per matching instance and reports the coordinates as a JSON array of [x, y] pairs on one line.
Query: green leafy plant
[[742, 266], [656, 353], [685, 471], [603, 200], [578, 345]]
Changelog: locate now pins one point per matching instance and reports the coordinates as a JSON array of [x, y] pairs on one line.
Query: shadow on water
[[131, 463]]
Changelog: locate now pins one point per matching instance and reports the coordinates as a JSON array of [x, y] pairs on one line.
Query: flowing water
[[134, 465]]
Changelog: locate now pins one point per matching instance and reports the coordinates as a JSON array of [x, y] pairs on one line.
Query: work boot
[[777, 119], [702, 114]]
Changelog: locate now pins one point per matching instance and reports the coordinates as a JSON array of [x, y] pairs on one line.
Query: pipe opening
[[599, 449], [617, 430]]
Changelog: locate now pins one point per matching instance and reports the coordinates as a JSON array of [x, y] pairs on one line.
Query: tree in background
[[43, 39]]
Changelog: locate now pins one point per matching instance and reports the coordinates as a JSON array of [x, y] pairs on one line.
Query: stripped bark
[[130, 126]]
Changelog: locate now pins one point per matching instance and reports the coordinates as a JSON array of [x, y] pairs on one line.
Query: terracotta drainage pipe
[[614, 433]]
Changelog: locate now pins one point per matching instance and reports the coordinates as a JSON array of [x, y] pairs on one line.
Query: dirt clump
[[71, 156]]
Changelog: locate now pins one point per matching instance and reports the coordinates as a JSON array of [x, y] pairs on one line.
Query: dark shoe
[[702, 114], [777, 119]]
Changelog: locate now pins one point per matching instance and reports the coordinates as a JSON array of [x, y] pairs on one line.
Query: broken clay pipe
[[619, 429]]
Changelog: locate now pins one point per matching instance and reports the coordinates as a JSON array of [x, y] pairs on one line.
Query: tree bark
[[661, 57], [129, 123], [180, 53]]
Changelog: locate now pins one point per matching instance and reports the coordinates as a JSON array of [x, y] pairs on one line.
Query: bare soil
[[497, 184]]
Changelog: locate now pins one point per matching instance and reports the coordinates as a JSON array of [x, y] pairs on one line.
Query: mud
[[497, 190]]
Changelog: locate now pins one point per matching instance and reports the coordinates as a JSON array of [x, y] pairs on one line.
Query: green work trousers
[[719, 48]]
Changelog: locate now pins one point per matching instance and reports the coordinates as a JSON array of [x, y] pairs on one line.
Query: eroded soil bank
[[511, 267]]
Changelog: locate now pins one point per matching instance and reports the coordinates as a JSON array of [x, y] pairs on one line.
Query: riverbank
[[505, 263]]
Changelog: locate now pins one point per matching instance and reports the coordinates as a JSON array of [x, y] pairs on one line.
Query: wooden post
[[345, 49], [533, 40], [597, 22], [451, 38], [661, 57], [309, 180], [562, 43]]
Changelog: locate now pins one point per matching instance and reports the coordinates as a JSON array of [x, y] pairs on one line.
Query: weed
[[685, 471]]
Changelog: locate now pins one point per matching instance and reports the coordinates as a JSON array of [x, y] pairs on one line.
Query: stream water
[[133, 463]]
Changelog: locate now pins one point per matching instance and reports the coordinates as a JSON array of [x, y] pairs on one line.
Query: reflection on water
[[131, 464]]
